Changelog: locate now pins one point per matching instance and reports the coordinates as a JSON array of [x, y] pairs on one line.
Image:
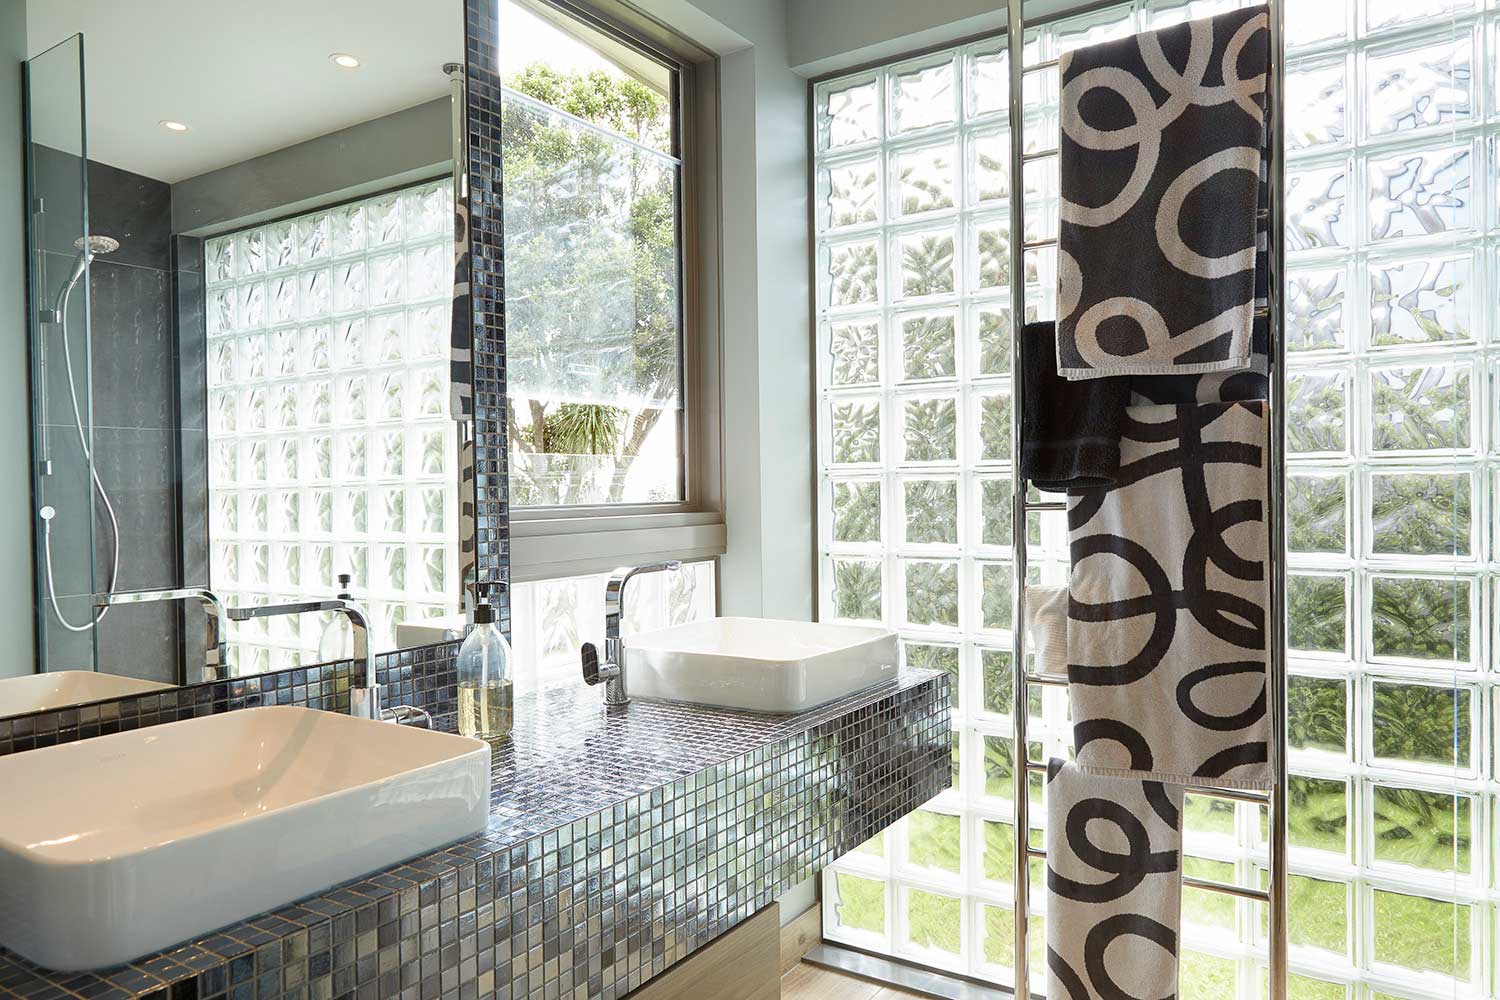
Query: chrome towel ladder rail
[[1274, 896]]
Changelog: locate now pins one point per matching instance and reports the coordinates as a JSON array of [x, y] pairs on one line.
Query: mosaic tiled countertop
[[619, 841]]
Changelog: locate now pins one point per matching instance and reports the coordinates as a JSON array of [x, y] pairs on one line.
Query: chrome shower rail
[[1022, 679]]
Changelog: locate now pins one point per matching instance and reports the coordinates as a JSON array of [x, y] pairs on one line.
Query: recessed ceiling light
[[172, 126], [345, 60]]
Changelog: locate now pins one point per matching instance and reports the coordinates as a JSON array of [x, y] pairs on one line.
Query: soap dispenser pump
[[486, 689]]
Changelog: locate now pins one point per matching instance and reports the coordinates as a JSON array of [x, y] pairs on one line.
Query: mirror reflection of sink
[[760, 664], [61, 688], [120, 846]]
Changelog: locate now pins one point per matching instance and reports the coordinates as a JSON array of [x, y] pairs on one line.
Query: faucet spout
[[612, 670], [365, 700], [215, 661]]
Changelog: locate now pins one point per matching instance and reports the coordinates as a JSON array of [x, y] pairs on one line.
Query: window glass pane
[[592, 290]]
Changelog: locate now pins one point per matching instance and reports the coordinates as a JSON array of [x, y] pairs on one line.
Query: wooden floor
[[809, 982]]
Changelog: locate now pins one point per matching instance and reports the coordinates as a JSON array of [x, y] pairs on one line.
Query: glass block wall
[[330, 445], [1393, 223]]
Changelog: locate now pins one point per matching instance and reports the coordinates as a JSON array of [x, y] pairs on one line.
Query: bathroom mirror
[[241, 261]]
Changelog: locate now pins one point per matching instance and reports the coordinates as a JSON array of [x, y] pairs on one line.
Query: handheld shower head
[[96, 245]]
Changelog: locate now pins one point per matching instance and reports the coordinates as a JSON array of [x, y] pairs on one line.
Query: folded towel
[[1114, 885], [1047, 628], [1070, 431], [1167, 653], [1161, 173]]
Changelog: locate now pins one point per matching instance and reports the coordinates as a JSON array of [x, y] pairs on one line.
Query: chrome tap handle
[[593, 671]]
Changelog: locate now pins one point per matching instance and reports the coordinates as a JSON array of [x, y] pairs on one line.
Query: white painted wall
[[16, 625]]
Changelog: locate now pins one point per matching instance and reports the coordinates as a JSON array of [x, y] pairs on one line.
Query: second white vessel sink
[[63, 688], [760, 664], [120, 846]]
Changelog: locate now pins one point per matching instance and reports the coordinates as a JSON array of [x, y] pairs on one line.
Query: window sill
[[547, 548]]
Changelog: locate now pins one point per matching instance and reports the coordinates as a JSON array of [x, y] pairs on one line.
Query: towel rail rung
[[1046, 505], [1046, 680], [1039, 244], [1243, 892], [1045, 64], [1038, 154]]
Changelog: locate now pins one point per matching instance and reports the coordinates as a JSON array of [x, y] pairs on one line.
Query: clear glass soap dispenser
[[337, 640], [486, 689]]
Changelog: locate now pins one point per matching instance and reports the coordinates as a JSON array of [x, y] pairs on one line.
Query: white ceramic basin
[[120, 846], [758, 663], [62, 688]]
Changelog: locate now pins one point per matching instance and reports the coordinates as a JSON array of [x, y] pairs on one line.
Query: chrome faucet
[[612, 670], [364, 700], [215, 658]]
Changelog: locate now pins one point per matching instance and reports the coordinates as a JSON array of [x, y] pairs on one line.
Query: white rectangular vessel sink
[[62, 688], [117, 847], [759, 664]]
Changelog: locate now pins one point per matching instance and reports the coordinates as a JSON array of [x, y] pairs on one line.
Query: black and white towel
[[1167, 648], [1114, 885], [1161, 167]]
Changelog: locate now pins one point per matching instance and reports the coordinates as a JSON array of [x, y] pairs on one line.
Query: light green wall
[[16, 622]]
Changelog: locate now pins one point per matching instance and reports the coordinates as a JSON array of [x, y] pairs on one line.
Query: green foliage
[[927, 345], [927, 265], [1420, 618], [856, 512], [856, 589], [1426, 829], [932, 511], [1415, 410], [1317, 514], [1317, 714], [994, 428], [1317, 417], [931, 430], [932, 593], [1421, 514], [856, 432], [932, 840], [1427, 725], [583, 429], [1316, 616]]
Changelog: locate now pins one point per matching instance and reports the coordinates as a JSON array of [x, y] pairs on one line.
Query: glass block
[[347, 228], [987, 80], [853, 275], [431, 392], [1317, 815], [1317, 215], [1317, 411], [856, 431], [253, 466], [430, 329], [1422, 302], [1316, 317], [929, 429], [288, 520], [1423, 829], [1421, 192], [1317, 102], [1318, 915], [352, 456], [320, 456], [388, 336], [996, 504], [1317, 506], [855, 350], [849, 114], [934, 922], [922, 94], [349, 286], [314, 238], [851, 193], [931, 511], [281, 245], [994, 427], [221, 305], [996, 680], [317, 403], [353, 510], [432, 451], [383, 219], [1318, 714], [1419, 84], [351, 399], [1417, 935], [931, 592], [434, 508], [434, 569], [1420, 408], [250, 306], [1309, 24], [856, 511], [281, 295], [284, 351], [226, 514], [989, 167], [991, 252], [393, 454], [221, 363], [284, 407], [316, 293], [1317, 609], [928, 345], [857, 589], [1428, 513], [387, 279], [429, 271], [924, 179], [858, 903], [1421, 618], [1421, 725], [991, 325], [429, 210], [322, 513], [393, 565], [253, 409], [224, 462], [925, 263], [218, 259], [997, 595], [933, 841]]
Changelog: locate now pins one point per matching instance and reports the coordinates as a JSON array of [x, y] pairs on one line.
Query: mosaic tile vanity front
[[619, 842]]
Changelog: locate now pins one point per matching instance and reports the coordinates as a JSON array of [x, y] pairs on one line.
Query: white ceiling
[[246, 77]]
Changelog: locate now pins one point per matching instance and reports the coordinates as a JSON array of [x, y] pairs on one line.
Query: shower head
[[96, 245]]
